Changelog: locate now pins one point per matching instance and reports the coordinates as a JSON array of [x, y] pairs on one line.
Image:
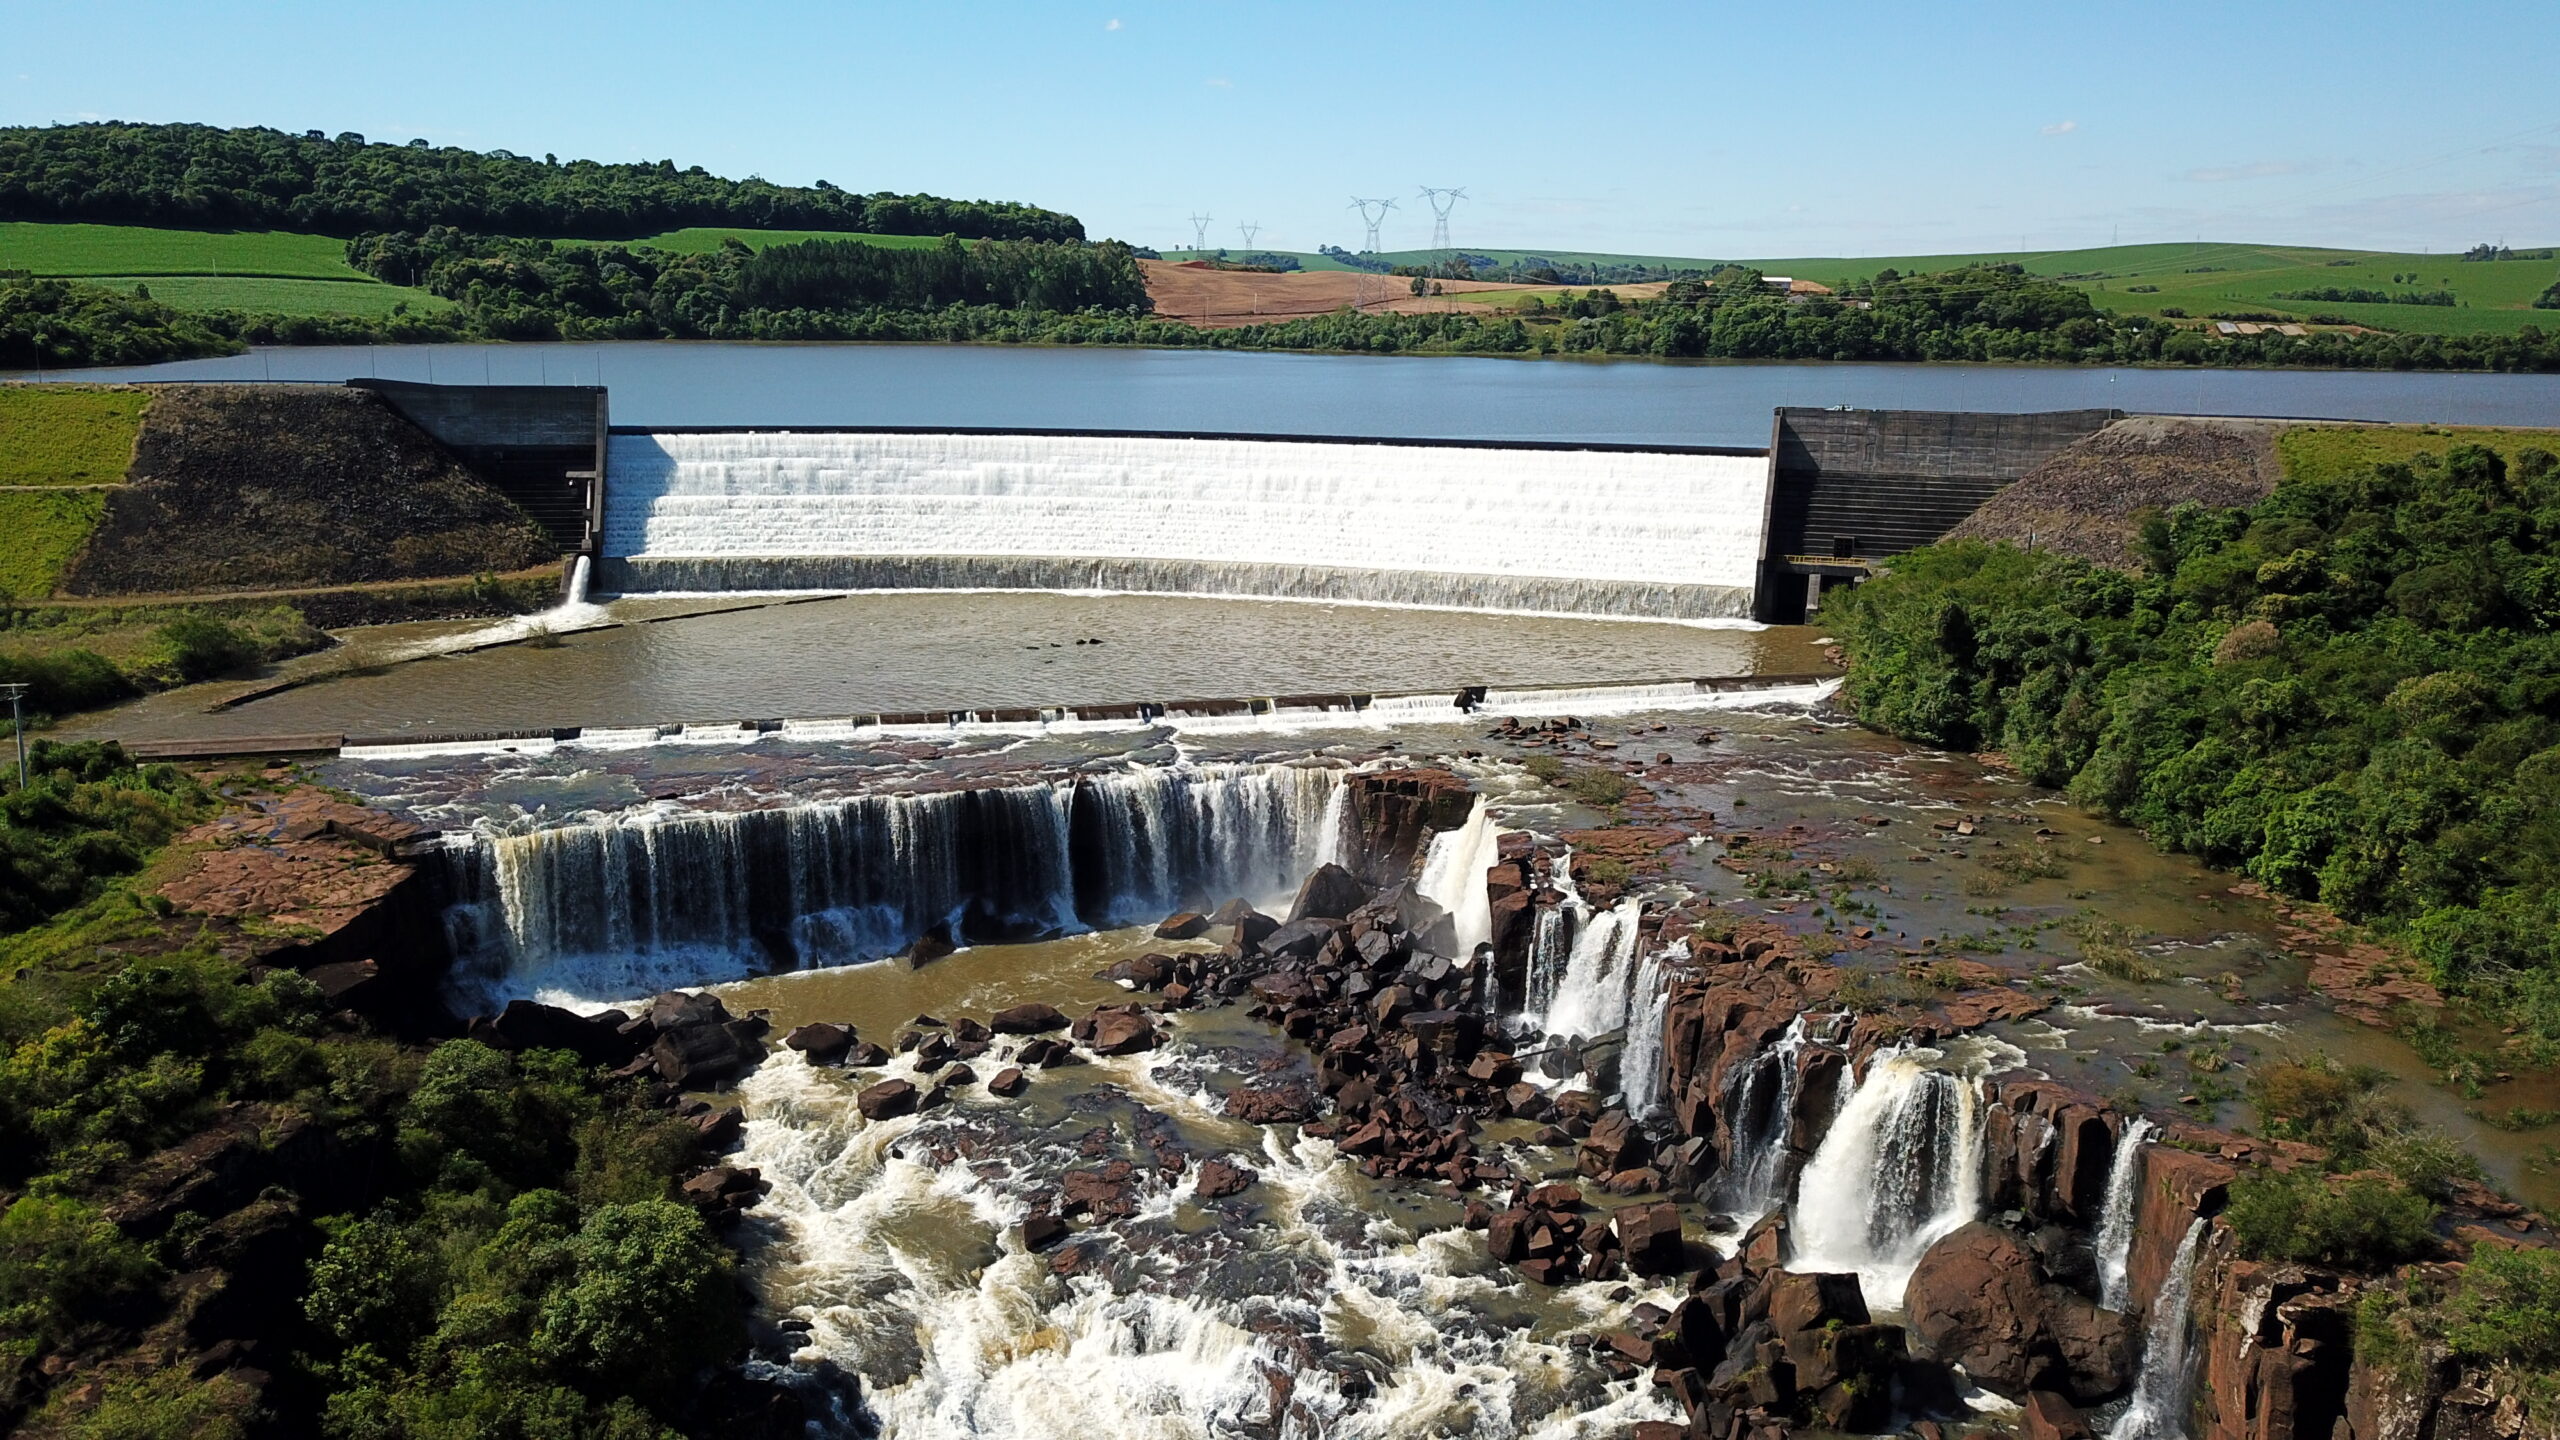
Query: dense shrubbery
[[56, 325], [50, 652], [495, 1244], [84, 817], [2351, 692], [2355, 1222], [202, 176]]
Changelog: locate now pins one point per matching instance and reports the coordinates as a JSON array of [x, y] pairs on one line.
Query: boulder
[[1217, 1179], [886, 1100], [1615, 1143], [1978, 1300], [1650, 1237], [1506, 1235], [1031, 1019], [822, 1041], [2052, 1417], [525, 1025], [1813, 1301], [696, 1055], [1272, 1102], [1300, 939], [1331, 893], [1183, 925], [1040, 1230], [1122, 1032]]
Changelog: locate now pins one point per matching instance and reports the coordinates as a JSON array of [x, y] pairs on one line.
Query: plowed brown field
[[1222, 299]]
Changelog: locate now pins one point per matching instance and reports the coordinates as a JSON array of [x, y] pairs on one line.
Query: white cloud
[[1111, 25], [2059, 127], [1219, 82]]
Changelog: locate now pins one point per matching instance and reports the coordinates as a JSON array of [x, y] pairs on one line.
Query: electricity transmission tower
[[1249, 227], [1443, 200], [1199, 234], [1372, 213]]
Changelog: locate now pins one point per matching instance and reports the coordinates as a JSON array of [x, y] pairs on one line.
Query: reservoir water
[[1637, 402]]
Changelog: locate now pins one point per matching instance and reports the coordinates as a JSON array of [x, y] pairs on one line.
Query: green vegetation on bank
[[82, 658], [62, 435], [418, 1240], [79, 251], [46, 529], [2350, 692], [203, 177]]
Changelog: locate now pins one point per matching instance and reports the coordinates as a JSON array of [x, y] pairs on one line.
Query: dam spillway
[[1611, 531]]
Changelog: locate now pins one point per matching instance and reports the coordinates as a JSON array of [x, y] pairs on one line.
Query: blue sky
[[1699, 129]]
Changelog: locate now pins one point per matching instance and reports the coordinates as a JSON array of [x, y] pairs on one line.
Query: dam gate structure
[[1688, 533], [1848, 488]]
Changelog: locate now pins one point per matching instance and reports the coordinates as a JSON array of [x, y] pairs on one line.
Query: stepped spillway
[[1663, 534]]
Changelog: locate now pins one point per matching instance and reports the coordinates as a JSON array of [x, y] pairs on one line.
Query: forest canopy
[[199, 176], [2350, 692]]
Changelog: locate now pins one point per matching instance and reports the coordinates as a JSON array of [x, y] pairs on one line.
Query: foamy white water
[[2115, 1227], [1900, 1168], [1591, 999], [2163, 1390], [1453, 871], [1652, 533]]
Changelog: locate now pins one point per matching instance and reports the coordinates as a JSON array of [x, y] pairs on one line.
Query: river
[[668, 383]]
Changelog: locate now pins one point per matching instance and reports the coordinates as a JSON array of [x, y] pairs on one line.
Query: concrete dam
[[1551, 529]]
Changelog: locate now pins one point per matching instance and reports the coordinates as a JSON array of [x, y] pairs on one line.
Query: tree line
[[2350, 692], [201, 176], [1023, 292]]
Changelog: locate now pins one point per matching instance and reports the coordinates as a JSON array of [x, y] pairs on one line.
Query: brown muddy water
[[708, 659]]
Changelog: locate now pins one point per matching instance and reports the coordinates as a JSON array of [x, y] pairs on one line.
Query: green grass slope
[[2320, 453], [702, 239], [67, 434], [85, 250]]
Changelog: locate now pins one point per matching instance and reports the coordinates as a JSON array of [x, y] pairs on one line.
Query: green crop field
[[277, 297], [45, 529], [701, 239], [67, 435], [2326, 452], [84, 250], [2493, 297]]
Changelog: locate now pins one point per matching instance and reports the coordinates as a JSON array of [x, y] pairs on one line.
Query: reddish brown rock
[[2053, 1417], [1183, 925], [1978, 1300], [1122, 1032], [1008, 1082], [1031, 1019], [822, 1042], [1650, 1237], [1220, 1178], [1272, 1102], [886, 1100]]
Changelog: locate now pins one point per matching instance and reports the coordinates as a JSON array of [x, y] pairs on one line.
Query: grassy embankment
[[2200, 278], [264, 271], [64, 450]]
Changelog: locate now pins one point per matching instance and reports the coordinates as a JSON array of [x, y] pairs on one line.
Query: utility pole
[[1372, 213], [1443, 198], [1199, 235], [18, 724]]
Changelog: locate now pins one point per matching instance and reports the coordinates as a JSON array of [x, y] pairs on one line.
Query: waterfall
[[577, 582], [2115, 1227], [620, 905], [1658, 534], [1901, 1167], [1453, 871], [1640, 1064], [2161, 1393], [1591, 998], [1759, 1109]]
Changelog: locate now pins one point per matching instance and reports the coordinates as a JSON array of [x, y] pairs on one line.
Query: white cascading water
[[1657, 534], [578, 572], [910, 1271], [2115, 1226], [1640, 1061], [1591, 998], [1453, 870], [1759, 1108], [626, 904], [1900, 1167], [2162, 1391]]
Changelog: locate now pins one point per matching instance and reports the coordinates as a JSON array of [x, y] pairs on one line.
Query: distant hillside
[[198, 176], [2199, 279]]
